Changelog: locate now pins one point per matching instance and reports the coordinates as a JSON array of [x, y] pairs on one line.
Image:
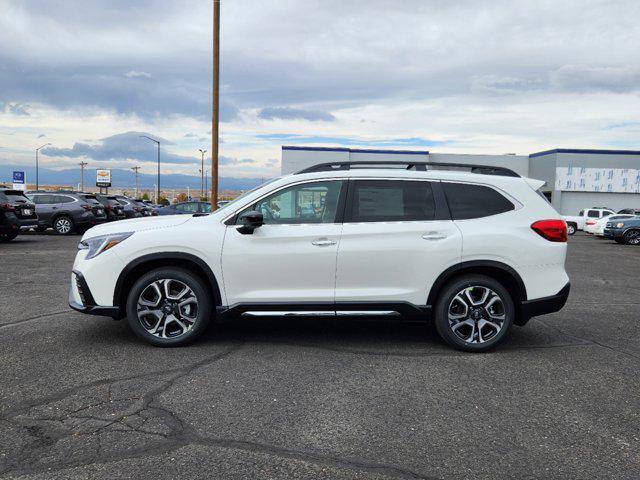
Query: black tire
[[571, 228], [619, 240], [41, 229], [170, 336], [477, 315], [63, 225], [632, 237], [7, 237]]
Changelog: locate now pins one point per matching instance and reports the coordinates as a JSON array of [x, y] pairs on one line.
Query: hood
[[137, 225]]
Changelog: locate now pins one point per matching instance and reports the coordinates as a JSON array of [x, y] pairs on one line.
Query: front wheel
[[632, 237], [169, 307], [474, 313]]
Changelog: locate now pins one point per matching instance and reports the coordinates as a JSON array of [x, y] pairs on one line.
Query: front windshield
[[240, 197]]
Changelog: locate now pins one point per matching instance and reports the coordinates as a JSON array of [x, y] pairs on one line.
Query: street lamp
[[202, 173], [158, 143], [37, 150]]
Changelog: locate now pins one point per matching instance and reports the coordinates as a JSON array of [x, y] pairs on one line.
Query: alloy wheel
[[476, 314], [167, 308], [633, 237], [63, 225]]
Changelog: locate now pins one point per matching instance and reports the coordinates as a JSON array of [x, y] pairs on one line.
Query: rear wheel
[[571, 228], [169, 307], [63, 225], [474, 313], [632, 237]]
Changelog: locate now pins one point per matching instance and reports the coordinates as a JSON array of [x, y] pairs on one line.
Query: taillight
[[7, 206], [85, 206], [552, 230], [591, 222]]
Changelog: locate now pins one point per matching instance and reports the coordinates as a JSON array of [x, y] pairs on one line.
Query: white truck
[[575, 223]]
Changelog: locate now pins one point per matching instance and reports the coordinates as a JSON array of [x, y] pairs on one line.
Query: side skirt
[[404, 309]]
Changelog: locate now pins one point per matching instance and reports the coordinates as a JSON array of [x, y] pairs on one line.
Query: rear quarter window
[[475, 201]]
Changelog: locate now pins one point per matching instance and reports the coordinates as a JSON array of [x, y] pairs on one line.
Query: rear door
[[46, 206], [396, 239]]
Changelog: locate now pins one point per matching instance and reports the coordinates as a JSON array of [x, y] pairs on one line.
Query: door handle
[[323, 242], [434, 236]]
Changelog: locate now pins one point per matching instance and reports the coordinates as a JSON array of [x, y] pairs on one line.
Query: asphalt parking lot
[[82, 397]]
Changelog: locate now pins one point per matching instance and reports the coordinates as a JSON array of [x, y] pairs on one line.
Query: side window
[[474, 201], [44, 199], [314, 202], [64, 199], [581, 213], [593, 214], [607, 212], [187, 207], [391, 201]]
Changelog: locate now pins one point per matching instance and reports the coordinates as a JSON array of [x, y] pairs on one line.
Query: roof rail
[[420, 166]]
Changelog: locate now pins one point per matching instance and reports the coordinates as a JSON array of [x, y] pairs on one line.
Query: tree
[[182, 197], [145, 196], [163, 200]]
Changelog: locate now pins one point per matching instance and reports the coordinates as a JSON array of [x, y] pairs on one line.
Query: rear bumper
[[81, 299], [543, 306]]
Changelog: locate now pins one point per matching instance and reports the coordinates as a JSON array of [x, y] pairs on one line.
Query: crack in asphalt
[[119, 418], [30, 319]]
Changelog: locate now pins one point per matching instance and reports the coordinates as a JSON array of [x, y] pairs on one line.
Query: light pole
[[37, 150], [135, 169], [158, 143], [202, 173], [215, 113], [82, 165]]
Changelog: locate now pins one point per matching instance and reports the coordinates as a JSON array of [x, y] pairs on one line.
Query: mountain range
[[122, 179]]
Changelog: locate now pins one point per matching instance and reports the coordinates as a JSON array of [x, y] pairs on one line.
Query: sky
[[440, 75]]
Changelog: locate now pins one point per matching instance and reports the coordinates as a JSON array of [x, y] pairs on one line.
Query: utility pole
[[135, 169], [202, 194], [37, 150], [82, 165], [158, 143], [215, 117]]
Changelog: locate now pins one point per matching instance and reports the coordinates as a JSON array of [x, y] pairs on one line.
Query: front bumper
[[613, 233], [543, 306], [81, 299]]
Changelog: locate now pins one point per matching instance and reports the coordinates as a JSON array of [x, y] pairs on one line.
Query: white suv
[[475, 251]]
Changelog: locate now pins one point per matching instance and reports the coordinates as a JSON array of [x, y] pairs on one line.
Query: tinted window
[[315, 202], [187, 207], [44, 199], [64, 199], [581, 213], [205, 207], [15, 196], [391, 201], [593, 214], [474, 201]]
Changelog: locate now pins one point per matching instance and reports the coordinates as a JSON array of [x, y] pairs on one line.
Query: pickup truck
[[575, 223]]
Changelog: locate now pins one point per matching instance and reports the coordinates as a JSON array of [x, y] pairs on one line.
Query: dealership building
[[575, 179]]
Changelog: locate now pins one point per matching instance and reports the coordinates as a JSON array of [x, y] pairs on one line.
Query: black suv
[[112, 207], [131, 210], [16, 212], [67, 212]]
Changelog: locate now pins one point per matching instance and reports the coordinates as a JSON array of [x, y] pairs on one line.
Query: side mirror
[[250, 221]]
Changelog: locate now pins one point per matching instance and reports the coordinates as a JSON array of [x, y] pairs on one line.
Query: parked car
[[17, 213], [631, 211], [185, 208], [575, 223], [130, 208], [476, 252], [112, 207], [153, 206], [596, 227], [624, 231], [67, 212], [147, 211]]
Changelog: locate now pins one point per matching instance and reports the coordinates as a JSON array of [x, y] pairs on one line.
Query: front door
[[292, 257], [395, 242]]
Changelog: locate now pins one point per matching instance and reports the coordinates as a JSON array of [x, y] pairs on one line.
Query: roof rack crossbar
[[420, 166]]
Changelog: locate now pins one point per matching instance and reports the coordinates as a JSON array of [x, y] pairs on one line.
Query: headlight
[[97, 245], [619, 225]]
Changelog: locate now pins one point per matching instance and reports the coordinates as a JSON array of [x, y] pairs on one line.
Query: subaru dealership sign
[[19, 181], [614, 180]]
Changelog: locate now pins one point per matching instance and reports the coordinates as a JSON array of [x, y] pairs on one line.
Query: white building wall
[[517, 163]]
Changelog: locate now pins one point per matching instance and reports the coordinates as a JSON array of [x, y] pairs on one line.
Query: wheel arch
[[134, 269], [499, 271]]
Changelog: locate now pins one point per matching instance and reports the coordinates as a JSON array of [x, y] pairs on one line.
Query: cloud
[[20, 109], [123, 146], [287, 113], [583, 78], [349, 141], [42, 135], [136, 74], [223, 160]]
